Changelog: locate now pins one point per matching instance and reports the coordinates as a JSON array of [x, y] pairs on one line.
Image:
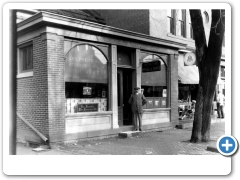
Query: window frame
[[178, 23], [222, 72], [20, 72], [108, 76], [172, 22], [191, 31], [182, 23], [167, 76]]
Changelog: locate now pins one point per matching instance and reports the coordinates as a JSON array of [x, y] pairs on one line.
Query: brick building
[[174, 25], [77, 69]]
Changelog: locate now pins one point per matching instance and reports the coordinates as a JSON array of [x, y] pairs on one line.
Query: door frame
[[120, 73], [120, 96]]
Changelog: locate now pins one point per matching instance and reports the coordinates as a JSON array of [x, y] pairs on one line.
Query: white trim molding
[[25, 74]]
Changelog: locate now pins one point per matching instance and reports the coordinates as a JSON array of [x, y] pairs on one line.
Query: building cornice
[[43, 18]]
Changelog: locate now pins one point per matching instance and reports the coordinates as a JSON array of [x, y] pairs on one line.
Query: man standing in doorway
[[137, 100], [220, 103]]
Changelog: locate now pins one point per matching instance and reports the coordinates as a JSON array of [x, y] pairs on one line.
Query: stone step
[[128, 134]]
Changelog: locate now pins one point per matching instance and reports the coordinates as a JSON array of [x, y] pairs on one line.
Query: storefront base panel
[[83, 135], [87, 123], [155, 117]]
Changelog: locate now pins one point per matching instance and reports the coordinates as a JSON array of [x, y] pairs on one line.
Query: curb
[[184, 125], [212, 148]]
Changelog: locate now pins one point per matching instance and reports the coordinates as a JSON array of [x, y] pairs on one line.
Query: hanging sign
[[189, 59], [151, 66]]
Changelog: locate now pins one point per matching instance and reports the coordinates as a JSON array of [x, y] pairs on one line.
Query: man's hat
[[136, 88]]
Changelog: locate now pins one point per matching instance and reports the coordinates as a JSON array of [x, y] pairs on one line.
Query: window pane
[[170, 25], [27, 58], [124, 56], [86, 87], [179, 14], [191, 31], [170, 22], [182, 28], [154, 82], [24, 52], [169, 12], [222, 71], [85, 63]]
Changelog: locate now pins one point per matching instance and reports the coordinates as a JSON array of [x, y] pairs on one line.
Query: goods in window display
[[75, 105], [87, 91]]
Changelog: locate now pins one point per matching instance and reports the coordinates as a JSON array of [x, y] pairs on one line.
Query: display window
[[86, 80], [154, 81]]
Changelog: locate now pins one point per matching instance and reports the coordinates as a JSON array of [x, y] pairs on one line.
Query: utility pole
[[12, 83]]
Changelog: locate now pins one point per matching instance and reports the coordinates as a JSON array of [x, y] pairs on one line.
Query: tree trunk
[[208, 58]]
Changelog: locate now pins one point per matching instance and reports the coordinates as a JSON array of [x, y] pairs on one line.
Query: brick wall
[[41, 85], [25, 105], [56, 84], [32, 96], [132, 20], [174, 88], [40, 99]]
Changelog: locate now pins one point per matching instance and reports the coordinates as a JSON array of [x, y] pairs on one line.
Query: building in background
[[174, 25]]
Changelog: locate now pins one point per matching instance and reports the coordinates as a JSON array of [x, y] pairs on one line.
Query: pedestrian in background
[[220, 103], [137, 100]]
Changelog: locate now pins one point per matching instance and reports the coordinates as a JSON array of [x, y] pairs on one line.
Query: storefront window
[[86, 80], [154, 81]]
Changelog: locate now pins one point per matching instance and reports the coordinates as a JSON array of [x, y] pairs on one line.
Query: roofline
[[48, 17], [28, 11]]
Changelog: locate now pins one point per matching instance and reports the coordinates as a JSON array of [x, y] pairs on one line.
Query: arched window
[[154, 81], [86, 79]]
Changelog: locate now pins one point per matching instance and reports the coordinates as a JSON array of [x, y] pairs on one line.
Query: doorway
[[124, 87]]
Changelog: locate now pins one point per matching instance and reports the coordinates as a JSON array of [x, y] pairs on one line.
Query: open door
[[124, 78]]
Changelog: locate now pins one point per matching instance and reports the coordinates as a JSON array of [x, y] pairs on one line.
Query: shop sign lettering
[[87, 107], [151, 66]]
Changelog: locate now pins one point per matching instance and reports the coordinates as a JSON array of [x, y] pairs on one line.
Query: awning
[[188, 74]]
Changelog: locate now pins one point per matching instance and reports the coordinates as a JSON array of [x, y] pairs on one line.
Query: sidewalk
[[167, 142]]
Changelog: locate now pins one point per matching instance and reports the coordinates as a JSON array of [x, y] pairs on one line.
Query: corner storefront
[[75, 78]]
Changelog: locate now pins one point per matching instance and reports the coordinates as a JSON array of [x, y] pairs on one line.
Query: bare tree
[[208, 59]]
